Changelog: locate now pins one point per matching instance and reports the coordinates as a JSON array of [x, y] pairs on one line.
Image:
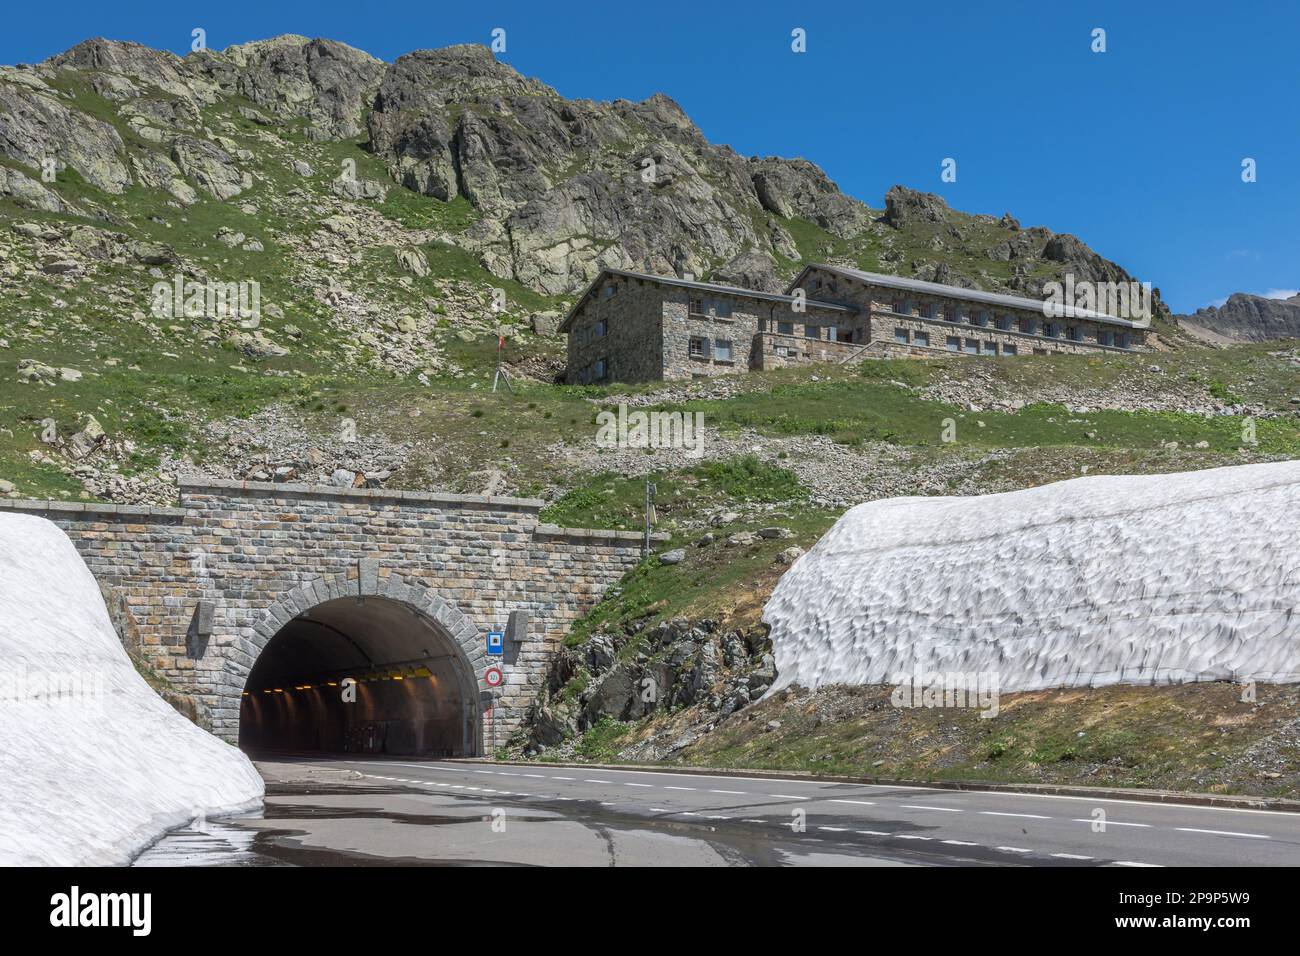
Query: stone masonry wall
[[632, 346], [258, 551], [886, 319]]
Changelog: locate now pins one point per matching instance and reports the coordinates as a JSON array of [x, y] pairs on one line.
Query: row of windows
[[720, 351], [832, 333], [718, 308], [983, 318]]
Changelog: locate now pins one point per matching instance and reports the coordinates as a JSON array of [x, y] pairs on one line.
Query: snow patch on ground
[[1100, 580], [93, 764]]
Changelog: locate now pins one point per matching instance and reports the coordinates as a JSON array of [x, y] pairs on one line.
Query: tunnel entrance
[[414, 692]]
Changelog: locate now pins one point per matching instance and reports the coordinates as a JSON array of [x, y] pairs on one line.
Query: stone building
[[632, 327]]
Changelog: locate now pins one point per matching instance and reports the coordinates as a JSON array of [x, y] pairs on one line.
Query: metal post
[[649, 517]]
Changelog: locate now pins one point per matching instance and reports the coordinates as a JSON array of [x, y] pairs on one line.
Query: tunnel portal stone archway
[[415, 659]]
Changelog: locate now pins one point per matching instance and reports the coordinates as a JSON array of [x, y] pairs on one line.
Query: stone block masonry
[[253, 555]]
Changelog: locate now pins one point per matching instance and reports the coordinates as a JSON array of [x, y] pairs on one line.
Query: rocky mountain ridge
[[1246, 318], [556, 188]]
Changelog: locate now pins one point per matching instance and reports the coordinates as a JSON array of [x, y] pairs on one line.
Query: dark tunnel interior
[[412, 693]]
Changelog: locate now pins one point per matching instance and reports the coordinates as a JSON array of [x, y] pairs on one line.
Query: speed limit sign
[[493, 676]]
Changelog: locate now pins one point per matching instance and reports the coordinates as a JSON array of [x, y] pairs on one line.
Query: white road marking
[[738, 793], [917, 806], [1071, 856], [1131, 863], [1112, 823], [865, 803], [595, 781], [786, 796], [912, 836], [960, 843], [872, 832], [562, 778], [1013, 849], [834, 829], [679, 788], [1028, 816], [648, 785], [1252, 836]]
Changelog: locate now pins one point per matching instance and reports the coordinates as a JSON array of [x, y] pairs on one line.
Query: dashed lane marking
[[1071, 856], [1026, 816], [738, 793], [786, 796], [863, 803], [1230, 833], [917, 806], [1112, 823]]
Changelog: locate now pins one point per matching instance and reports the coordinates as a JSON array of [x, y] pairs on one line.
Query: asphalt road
[[375, 812]]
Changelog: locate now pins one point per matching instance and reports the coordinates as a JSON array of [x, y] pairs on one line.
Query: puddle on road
[[231, 842]]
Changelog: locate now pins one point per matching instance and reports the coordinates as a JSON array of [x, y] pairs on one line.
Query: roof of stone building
[[692, 284], [957, 292]]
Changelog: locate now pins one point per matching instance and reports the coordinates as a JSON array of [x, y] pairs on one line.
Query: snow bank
[[1094, 581], [93, 764]]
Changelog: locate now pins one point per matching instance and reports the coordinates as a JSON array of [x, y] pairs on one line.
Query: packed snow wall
[[93, 764], [1099, 580]]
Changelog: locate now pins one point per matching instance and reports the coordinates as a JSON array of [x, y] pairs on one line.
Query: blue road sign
[[496, 643]]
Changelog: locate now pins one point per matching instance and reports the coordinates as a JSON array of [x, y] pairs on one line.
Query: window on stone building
[[722, 350], [1053, 330], [921, 338], [812, 331], [929, 310], [699, 347], [721, 309], [598, 369], [898, 306], [1029, 326], [982, 319], [785, 328], [901, 336], [1122, 340], [972, 347], [1106, 337], [990, 348], [1004, 323], [601, 328], [909, 306], [1075, 333], [953, 344], [950, 313], [607, 292], [1008, 350]]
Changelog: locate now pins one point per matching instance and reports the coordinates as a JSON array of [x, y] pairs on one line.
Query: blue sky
[[1137, 150]]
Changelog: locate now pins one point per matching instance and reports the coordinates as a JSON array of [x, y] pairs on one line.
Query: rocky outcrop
[[696, 672], [327, 83], [1247, 318]]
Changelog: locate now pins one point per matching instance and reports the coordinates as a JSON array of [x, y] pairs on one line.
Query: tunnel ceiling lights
[[404, 673]]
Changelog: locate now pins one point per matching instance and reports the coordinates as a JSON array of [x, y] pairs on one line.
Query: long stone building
[[631, 327]]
